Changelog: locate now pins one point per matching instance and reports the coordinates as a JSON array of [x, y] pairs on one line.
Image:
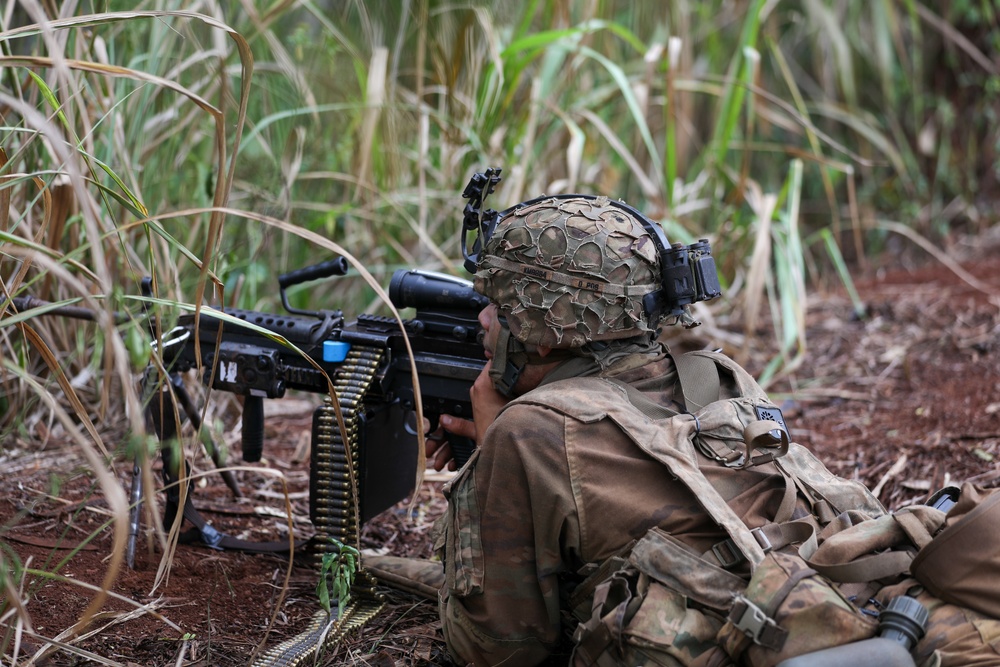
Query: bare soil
[[906, 399]]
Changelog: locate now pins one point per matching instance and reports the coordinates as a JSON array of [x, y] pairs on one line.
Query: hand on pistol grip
[[450, 441]]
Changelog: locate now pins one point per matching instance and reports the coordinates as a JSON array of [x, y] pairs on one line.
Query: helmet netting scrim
[[568, 271]]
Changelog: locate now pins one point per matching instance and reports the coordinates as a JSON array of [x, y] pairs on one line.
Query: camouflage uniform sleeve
[[511, 514]]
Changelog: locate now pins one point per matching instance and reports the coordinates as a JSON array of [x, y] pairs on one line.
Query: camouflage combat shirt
[[544, 496]]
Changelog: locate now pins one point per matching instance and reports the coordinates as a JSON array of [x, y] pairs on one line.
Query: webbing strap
[[787, 507], [646, 406], [699, 380], [698, 377], [509, 362], [914, 528], [764, 433], [819, 506], [867, 568], [848, 555], [585, 589], [754, 622], [770, 537]]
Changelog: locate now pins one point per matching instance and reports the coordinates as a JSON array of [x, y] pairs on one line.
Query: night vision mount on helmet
[[687, 274]]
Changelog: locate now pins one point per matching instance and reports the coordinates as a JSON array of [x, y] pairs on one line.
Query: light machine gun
[[364, 360]]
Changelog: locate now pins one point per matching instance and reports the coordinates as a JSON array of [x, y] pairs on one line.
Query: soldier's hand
[[486, 405], [486, 402], [437, 447]]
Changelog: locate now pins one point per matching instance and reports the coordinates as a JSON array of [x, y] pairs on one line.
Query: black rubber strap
[[210, 537]]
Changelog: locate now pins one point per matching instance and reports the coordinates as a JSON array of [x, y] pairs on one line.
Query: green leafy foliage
[[336, 576]]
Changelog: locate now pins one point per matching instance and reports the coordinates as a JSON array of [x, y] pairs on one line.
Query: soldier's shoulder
[[581, 397]]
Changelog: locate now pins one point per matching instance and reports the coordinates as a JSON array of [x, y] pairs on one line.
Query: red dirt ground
[[906, 399]]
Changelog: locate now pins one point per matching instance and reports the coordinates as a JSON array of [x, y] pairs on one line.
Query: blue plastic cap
[[335, 351]]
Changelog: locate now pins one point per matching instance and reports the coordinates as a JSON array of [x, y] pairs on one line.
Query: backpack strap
[[666, 437], [770, 537], [699, 378], [640, 402]]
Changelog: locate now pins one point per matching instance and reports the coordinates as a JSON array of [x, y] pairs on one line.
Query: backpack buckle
[[762, 540], [751, 620], [727, 553]]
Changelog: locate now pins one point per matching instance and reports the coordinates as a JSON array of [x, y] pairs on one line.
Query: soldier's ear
[[543, 350]]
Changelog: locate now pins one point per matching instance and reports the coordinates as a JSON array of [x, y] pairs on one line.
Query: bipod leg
[[194, 416], [135, 507], [172, 506], [203, 531], [164, 429], [163, 420]]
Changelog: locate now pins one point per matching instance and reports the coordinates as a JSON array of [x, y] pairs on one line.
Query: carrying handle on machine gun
[[474, 218], [333, 267]]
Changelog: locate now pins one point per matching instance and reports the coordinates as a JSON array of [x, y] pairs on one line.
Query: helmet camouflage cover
[[565, 271]]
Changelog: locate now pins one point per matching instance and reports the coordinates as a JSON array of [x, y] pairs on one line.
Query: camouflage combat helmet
[[566, 271]]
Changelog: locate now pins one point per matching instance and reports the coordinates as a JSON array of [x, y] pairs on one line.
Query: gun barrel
[[23, 303]]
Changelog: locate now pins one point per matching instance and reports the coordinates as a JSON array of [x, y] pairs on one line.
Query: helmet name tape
[[588, 283]]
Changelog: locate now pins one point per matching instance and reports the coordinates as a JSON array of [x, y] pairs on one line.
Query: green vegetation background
[[213, 145]]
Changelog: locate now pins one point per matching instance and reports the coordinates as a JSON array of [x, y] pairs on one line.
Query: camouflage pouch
[[788, 610], [956, 636], [457, 542], [738, 432], [664, 607]]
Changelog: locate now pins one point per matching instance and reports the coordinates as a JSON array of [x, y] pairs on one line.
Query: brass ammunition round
[[332, 461], [333, 499]]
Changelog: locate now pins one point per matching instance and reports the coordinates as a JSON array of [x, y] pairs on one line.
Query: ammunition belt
[[324, 632], [336, 512]]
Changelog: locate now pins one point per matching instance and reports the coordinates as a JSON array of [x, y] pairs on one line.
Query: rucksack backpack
[[659, 602]]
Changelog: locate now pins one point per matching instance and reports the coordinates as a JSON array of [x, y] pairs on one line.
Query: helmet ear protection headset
[[687, 273]]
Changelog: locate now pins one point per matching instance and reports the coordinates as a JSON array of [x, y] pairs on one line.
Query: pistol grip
[[461, 448]]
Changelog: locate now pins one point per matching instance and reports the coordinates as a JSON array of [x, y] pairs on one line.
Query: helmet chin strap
[[509, 359]]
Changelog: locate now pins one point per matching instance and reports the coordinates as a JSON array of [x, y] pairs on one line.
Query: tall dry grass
[[211, 145]]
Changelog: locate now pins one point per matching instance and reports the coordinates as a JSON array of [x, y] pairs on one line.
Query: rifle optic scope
[[413, 288]]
